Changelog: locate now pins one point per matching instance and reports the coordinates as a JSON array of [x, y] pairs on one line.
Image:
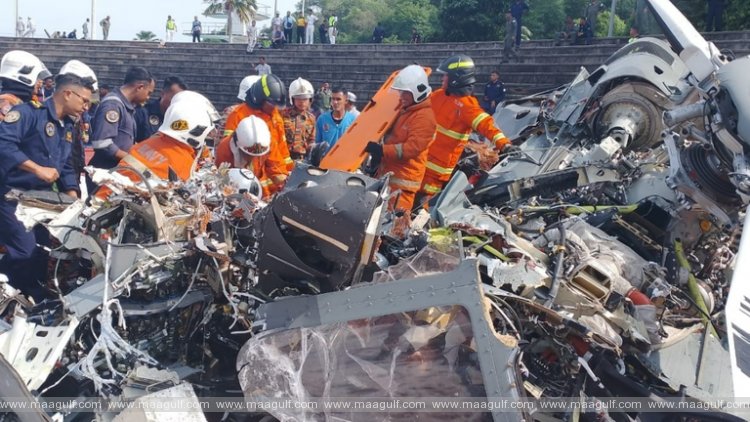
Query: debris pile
[[595, 261]]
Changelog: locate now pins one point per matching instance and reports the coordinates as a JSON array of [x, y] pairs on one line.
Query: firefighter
[[404, 150], [457, 114], [173, 151], [299, 122], [262, 100], [248, 148], [19, 73]]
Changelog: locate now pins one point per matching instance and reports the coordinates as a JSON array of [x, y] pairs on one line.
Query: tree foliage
[[244, 9], [480, 20], [470, 20], [145, 36]]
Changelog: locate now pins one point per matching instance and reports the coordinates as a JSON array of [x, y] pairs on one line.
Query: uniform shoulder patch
[[49, 129], [154, 120], [12, 116], [112, 116]]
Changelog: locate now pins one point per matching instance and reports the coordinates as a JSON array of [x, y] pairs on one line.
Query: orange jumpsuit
[[405, 151], [456, 118], [279, 148], [157, 154], [260, 166]]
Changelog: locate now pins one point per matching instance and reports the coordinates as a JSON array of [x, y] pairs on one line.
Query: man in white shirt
[[310, 29], [252, 37], [20, 27], [263, 68], [30, 29]]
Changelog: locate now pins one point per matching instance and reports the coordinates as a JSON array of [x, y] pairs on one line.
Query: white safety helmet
[[252, 136], [413, 78], [188, 121], [351, 97], [300, 88], [245, 84], [23, 67], [198, 98], [245, 181], [80, 69]]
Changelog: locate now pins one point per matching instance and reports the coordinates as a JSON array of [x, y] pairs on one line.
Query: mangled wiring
[[235, 309], [109, 341], [190, 286]]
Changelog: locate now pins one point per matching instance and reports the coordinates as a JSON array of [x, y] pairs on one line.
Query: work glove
[[375, 150], [376, 155]]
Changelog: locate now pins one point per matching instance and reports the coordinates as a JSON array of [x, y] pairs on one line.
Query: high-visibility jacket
[[456, 118], [279, 163], [405, 150], [258, 165], [157, 155]]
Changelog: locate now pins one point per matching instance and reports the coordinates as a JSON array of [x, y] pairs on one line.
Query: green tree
[[244, 9], [469, 20], [621, 28], [145, 36], [546, 18]]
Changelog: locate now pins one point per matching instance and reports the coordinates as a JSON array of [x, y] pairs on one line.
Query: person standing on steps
[[288, 27], [197, 29], [105, 24], [517, 10], [85, 28], [310, 28], [171, 28], [252, 37]]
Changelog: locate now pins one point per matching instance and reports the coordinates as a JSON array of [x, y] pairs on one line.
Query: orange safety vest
[[456, 118], [279, 163], [157, 154], [405, 149]]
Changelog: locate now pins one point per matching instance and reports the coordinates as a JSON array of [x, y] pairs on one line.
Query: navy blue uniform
[[715, 15], [31, 132], [112, 129], [493, 92], [516, 10], [148, 119]]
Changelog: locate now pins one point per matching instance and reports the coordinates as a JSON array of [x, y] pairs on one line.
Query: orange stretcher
[[374, 121]]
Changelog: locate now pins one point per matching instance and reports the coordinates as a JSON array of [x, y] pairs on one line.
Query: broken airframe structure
[[594, 263]]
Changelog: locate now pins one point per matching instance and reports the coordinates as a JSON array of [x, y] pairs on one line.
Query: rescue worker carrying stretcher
[[457, 113], [262, 100], [404, 149], [247, 148]]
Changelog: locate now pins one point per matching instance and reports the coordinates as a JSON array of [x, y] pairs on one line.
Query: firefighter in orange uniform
[[457, 113], [247, 148], [404, 150], [173, 151], [262, 100]]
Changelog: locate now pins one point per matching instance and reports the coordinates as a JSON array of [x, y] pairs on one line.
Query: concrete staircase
[[216, 69]]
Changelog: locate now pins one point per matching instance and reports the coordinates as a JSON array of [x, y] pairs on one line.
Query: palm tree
[[145, 36], [245, 9]]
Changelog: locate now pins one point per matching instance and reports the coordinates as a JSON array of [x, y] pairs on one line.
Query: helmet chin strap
[[240, 160]]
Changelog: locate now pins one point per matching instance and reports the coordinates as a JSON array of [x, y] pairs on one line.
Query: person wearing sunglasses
[[263, 100], [35, 150], [247, 148]]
